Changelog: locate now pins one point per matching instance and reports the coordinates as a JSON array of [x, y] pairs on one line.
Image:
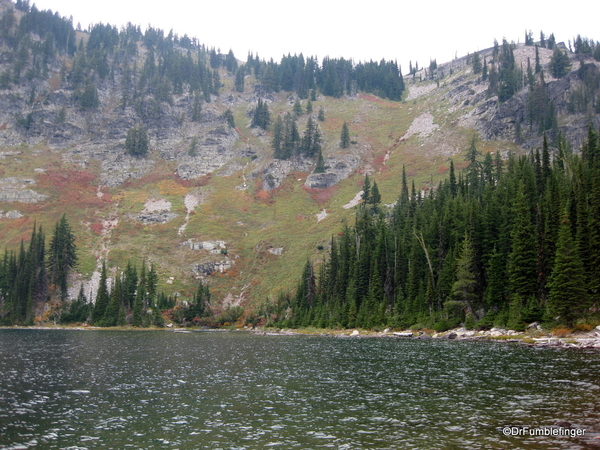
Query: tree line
[[167, 65], [505, 242], [34, 283]]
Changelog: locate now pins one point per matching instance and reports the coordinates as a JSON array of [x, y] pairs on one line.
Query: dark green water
[[234, 390]]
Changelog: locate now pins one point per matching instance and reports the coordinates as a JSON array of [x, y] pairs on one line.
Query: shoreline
[[532, 337], [536, 338]]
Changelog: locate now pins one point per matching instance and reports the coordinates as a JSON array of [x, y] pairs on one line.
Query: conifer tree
[[560, 63], [567, 297], [102, 297], [345, 136], [261, 117], [522, 259], [476, 62], [297, 107], [321, 115], [278, 140], [320, 167], [239, 79], [62, 255], [464, 288], [136, 143]]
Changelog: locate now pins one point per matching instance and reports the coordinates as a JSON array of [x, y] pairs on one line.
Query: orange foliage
[[75, 187], [262, 194], [443, 169], [171, 187], [561, 331], [372, 98], [321, 195], [584, 327]]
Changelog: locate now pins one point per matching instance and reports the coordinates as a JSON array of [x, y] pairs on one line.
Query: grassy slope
[[249, 220]]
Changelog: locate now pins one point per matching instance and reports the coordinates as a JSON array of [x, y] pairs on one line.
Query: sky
[[415, 30]]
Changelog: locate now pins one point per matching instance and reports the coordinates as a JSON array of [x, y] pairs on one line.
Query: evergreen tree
[[261, 117], [476, 62], [102, 298], [62, 255], [567, 298], [345, 136], [320, 167], [522, 261], [465, 288], [239, 79], [310, 144], [560, 63], [228, 117], [297, 107], [136, 143], [321, 116]]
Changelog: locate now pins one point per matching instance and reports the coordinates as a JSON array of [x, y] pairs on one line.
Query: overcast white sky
[[414, 30]]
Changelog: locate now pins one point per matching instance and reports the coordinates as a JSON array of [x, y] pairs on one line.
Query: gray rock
[[321, 180], [404, 334], [156, 218], [13, 214]]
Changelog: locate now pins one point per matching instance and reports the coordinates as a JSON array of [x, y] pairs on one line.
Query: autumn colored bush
[[561, 331], [583, 327]]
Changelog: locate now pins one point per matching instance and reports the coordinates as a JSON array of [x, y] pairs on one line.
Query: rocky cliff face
[[510, 120]]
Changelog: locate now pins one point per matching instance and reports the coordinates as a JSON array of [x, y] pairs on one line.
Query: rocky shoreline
[[533, 336]]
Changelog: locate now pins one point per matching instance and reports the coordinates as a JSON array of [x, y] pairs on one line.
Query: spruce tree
[[560, 63], [522, 262], [345, 136], [465, 288], [320, 167], [567, 297], [136, 143], [62, 255], [102, 298]]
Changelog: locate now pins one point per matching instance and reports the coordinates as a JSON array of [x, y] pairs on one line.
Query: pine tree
[[102, 298], [345, 136], [522, 262], [261, 117], [278, 140], [320, 167], [321, 115], [136, 143], [366, 195], [297, 107], [567, 297], [239, 79], [476, 62], [464, 288], [560, 63], [62, 255]]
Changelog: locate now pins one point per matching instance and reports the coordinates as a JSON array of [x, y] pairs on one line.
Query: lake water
[[67, 389]]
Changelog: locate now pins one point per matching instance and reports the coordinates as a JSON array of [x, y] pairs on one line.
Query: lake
[[69, 389]]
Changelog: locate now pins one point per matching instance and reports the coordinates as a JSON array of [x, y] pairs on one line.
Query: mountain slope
[[209, 201]]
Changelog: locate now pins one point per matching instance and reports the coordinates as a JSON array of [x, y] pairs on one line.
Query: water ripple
[[78, 390]]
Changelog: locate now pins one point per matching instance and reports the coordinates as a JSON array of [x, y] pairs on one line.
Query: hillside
[[208, 201]]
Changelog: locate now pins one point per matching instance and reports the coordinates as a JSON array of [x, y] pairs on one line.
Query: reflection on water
[[234, 390]]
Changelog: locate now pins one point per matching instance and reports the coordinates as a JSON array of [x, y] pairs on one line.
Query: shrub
[[561, 331], [441, 326], [582, 326]]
